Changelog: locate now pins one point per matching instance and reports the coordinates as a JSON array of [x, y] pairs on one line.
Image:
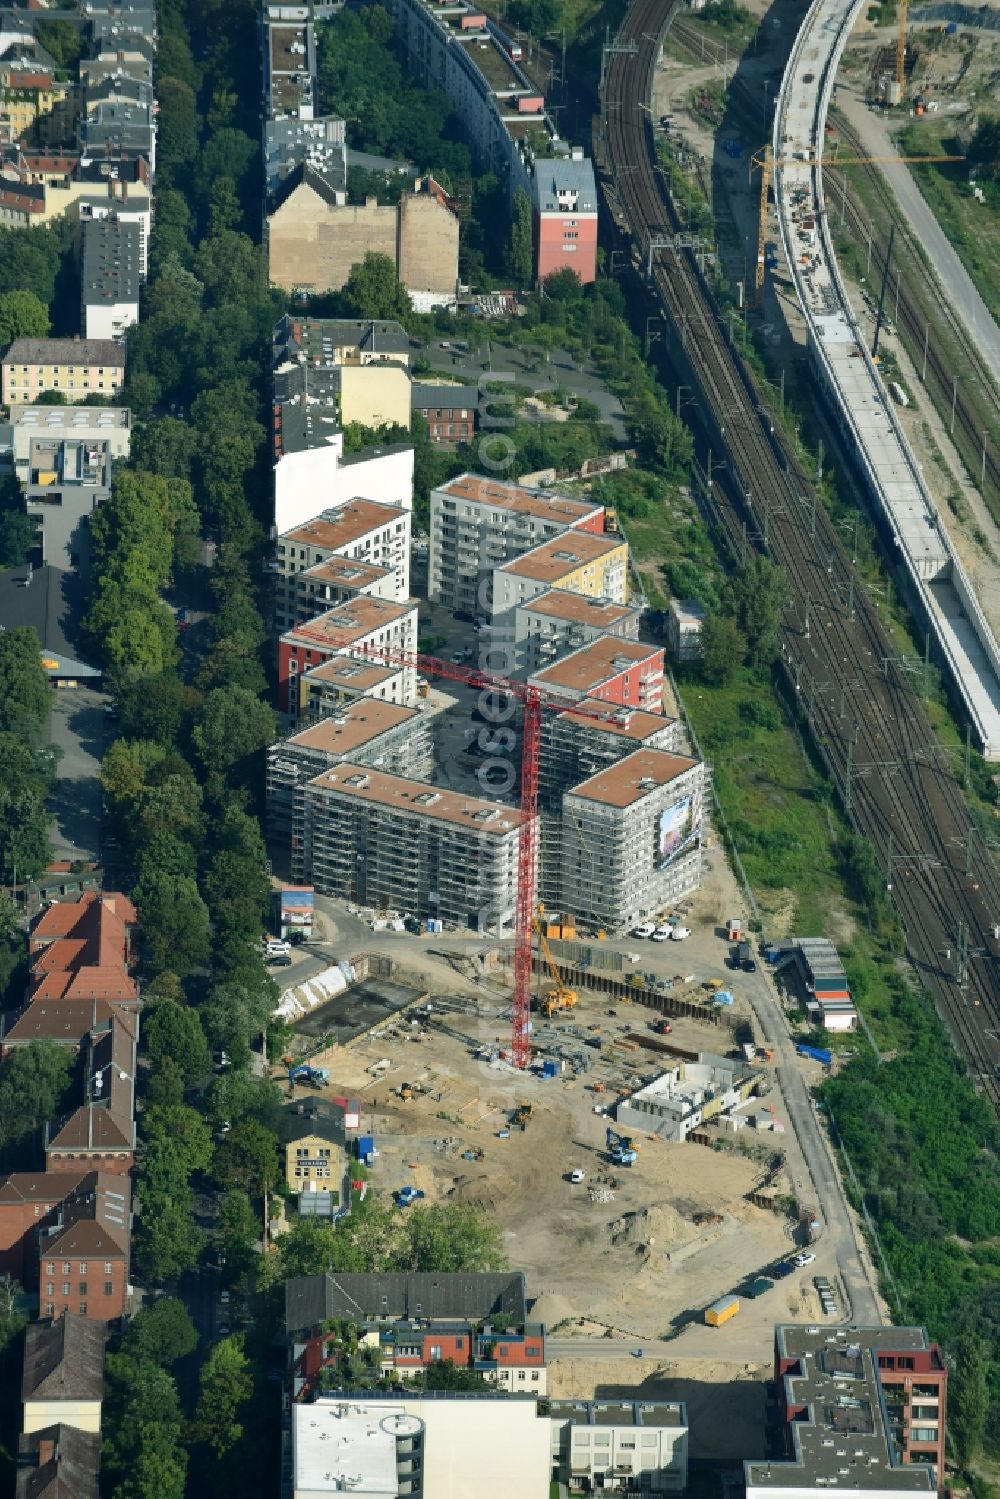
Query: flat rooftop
[[843, 1438], [611, 718], [352, 621], [563, 555], [338, 528], [516, 499], [647, 1413], [419, 799], [346, 1446], [597, 662], [345, 671], [577, 609], [346, 572], [633, 778], [359, 723], [69, 419]]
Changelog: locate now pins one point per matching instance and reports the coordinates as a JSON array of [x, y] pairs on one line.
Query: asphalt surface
[[79, 727], [837, 1231], [965, 299], [542, 370]]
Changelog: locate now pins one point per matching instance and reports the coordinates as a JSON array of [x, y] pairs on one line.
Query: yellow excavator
[[559, 997]]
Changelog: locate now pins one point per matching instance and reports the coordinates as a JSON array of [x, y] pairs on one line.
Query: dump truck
[[722, 1310]]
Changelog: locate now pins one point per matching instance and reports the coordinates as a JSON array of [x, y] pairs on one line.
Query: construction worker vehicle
[[559, 996], [521, 1115], [622, 1149]]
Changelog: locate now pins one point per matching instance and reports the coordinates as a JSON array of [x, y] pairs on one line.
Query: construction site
[[621, 1232]]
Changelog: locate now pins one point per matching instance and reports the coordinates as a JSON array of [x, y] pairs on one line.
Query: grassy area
[[973, 228]]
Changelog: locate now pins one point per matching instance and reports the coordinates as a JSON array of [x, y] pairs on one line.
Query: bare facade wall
[[312, 245], [428, 244]]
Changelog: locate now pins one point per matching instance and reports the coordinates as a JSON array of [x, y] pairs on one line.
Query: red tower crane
[[532, 702]]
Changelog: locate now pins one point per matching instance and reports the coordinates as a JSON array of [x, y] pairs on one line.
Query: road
[[965, 299], [78, 727], [838, 1232]]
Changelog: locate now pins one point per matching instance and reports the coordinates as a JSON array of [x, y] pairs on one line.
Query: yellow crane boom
[[559, 996]]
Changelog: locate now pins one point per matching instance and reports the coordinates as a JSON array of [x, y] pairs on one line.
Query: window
[[82, 1288], [67, 1267], [83, 1267], [923, 1434], [50, 1289], [83, 1308], [65, 1289], [49, 1309], [108, 1268], [109, 1288]]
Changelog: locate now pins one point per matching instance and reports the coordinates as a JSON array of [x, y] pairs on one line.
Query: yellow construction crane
[[901, 47], [766, 164], [559, 997]]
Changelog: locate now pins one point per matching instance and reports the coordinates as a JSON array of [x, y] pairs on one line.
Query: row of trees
[[28, 763]]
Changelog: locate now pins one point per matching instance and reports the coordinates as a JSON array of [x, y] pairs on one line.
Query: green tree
[[22, 315], [17, 536], [125, 772], [521, 255], [723, 649], [226, 1387], [143, 1454], [177, 1144], [172, 1032], [166, 1085], [235, 1017], [373, 290], [167, 1242], [238, 1230], [230, 731], [968, 1398], [247, 1159], [25, 693], [984, 148], [758, 594], [178, 124], [454, 1236], [445, 1374], [161, 1331], [24, 832], [175, 922], [34, 1082], [563, 285], [65, 43]]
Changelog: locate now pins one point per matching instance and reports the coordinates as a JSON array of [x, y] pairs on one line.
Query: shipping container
[[722, 1310], [816, 1053]]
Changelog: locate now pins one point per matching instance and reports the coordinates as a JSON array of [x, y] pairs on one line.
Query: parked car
[[576, 1175], [802, 1260], [280, 960], [645, 929], [662, 933], [679, 933]]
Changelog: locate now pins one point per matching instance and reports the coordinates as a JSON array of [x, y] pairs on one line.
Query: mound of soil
[[652, 1228]]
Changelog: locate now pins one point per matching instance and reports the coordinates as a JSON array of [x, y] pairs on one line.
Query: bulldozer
[[521, 1115], [559, 996]]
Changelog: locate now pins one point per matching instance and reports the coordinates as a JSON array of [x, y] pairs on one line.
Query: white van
[[276, 947]]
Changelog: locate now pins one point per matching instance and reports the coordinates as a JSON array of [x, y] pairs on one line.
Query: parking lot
[[80, 729]]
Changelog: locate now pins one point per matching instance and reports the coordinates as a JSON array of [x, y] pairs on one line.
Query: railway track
[[896, 780], [971, 418]]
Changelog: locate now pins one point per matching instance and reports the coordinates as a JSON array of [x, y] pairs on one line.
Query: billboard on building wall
[[678, 826]]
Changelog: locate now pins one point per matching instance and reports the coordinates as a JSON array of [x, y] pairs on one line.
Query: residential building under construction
[[631, 840], [393, 843]]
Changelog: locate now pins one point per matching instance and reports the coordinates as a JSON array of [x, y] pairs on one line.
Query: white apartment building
[[360, 531], [377, 631], [394, 843], [339, 580], [477, 524], [631, 838], [558, 621], [471, 1446], [595, 566], [309, 480], [685, 622]]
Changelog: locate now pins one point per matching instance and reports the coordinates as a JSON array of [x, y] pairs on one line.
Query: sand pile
[[489, 1193], [653, 1228], [551, 1308]]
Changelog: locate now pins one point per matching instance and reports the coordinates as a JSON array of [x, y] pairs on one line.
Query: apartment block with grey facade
[[632, 838]]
